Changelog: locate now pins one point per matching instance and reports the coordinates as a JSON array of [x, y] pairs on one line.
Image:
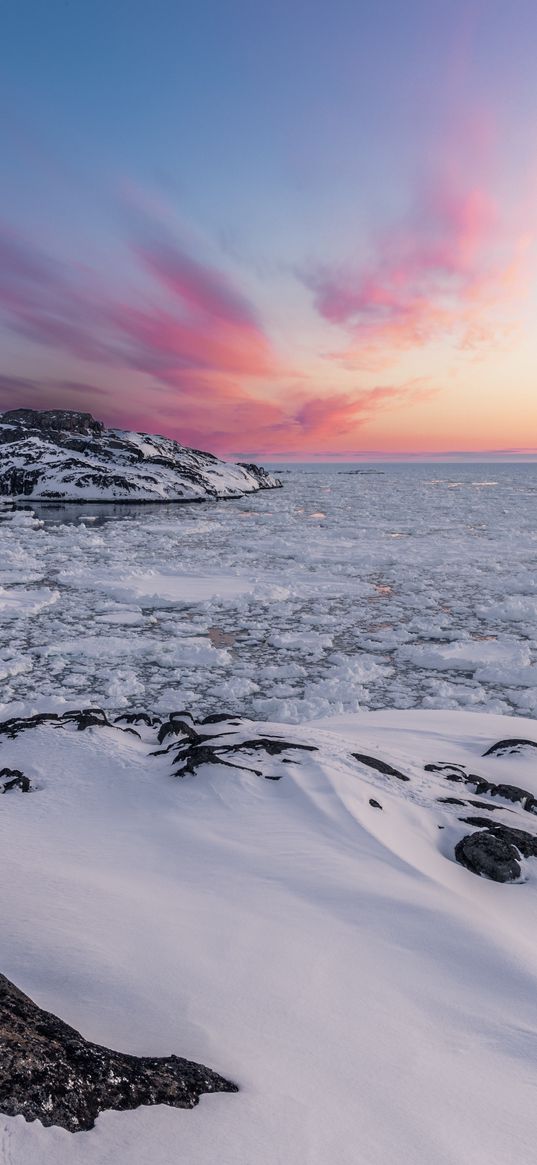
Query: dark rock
[[489, 856], [55, 421], [83, 718], [87, 718], [191, 757], [17, 724], [138, 718], [479, 822], [272, 745], [176, 727], [510, 746], [375, 804], [49, 1072], [201, 749], [14, 779], [262, 476], [450, 772], [220, 718], [485, 805], [496, 850], [509, 792], [450, 801], [379, 765], [524, 841], [514, 793]]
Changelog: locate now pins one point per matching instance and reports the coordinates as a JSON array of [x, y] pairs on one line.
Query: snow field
[[374, 1000]]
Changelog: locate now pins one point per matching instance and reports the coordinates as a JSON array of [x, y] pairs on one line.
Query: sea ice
[[445, 611]]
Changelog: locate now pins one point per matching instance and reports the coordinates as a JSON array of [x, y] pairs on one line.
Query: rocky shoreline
[[68, 456]]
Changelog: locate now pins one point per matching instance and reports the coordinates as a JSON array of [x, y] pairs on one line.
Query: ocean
[[356, 586]]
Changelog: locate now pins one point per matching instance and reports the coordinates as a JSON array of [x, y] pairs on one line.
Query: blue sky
[[311, 155]]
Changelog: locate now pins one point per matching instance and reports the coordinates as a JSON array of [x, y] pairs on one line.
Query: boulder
[[49, 1072]]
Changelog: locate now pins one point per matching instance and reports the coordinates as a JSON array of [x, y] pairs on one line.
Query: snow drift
[[284, 904]]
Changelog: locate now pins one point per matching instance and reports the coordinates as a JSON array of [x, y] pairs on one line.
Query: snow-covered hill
[[298, 908], [56, 455]]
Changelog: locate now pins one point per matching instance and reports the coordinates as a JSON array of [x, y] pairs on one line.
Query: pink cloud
[[194, 319], [192, 345], [328, 417], [230, 421], [201, 290], [454, 268]]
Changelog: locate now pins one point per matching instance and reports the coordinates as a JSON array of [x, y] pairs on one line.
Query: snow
[[86, 465], [374, 1000], [369, 995], [159, 588], [25, 601]]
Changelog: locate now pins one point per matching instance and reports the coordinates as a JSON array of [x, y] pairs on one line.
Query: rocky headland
[[61, 455]]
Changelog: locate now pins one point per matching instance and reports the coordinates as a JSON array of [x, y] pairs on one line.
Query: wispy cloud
[[193, 343], [335, 415], [454, 267], [21, 391], [192, 319]]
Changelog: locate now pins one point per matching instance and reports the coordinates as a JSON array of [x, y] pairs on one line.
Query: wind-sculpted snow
[[411, 587], [71, 457], [278, 903]]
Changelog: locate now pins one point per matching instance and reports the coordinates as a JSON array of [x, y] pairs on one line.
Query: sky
[[296, 230]]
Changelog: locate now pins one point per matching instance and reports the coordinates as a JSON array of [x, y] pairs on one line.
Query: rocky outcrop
[[380, 766], [495, 851], [49, 1072], [513, 746], [261, 475], [58, 455], [54, 421], [14, 779], [199, 745], [482, 786], [226, 741], [490, 856]]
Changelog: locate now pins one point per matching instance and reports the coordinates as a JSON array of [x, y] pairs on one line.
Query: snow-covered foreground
[[374, 1000], [411, 586]]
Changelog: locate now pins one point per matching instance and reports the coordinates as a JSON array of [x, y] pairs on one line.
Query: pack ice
[[69, 456]]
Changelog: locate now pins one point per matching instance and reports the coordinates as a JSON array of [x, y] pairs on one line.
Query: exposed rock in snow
[[489, 855], [512, 747], [13, 779], [55, 421], [68, 456], [262, 915], [495, 851], [49, 1072], [381, 766]]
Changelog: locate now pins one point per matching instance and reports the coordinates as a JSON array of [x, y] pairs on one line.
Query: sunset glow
[[247, 260]]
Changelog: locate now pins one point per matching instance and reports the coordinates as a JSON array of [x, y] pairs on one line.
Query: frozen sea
[[353, 587]]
